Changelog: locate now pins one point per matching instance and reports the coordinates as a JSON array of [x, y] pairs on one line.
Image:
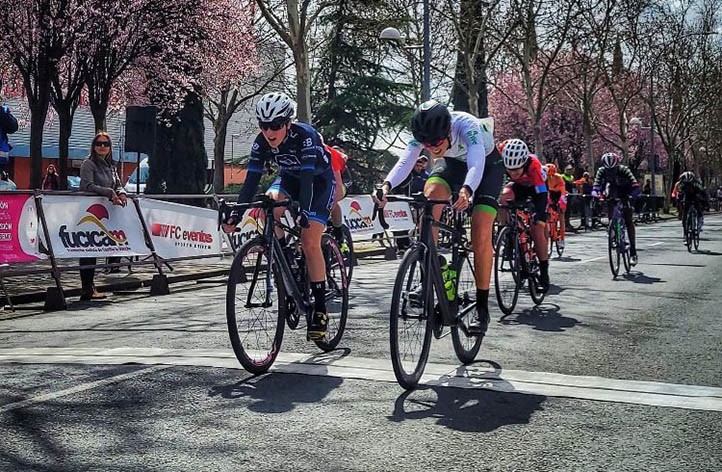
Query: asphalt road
[[607, 374]]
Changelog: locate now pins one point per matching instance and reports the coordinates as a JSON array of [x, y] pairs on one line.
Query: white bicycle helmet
[[687, 176], [274, 105], [515, 153], [610, 159]]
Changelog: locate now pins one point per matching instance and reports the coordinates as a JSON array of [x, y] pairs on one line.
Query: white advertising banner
[[398, 216], [181, 230], [357, 214], [82, 226]]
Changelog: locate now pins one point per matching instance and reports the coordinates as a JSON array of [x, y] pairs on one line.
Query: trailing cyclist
[[338, 164], [688, 191], [306, 176], [556, 185], [527, 180], [465, 160], [620, 184]]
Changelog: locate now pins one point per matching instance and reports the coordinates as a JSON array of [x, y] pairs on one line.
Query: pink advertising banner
[[18, 229]]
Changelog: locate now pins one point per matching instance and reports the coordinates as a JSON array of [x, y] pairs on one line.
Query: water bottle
[[448, 275]]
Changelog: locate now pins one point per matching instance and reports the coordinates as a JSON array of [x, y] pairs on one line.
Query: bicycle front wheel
[[409, 328], [466, 347], [507, 280], [336, 293], [612, 246], [255, 307]]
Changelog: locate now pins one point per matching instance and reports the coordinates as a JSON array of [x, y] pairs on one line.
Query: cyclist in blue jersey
[[306, 176]]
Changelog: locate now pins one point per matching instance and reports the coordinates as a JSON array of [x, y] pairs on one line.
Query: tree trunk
[[219, 150], [303, 83], [99, 109], [65, 119], [38, 113]]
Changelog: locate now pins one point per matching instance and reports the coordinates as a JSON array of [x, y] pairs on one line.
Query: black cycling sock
[[319, 295], [544, 267], [482, 299]]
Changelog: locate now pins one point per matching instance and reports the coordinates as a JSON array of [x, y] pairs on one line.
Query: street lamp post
[[393, 34]]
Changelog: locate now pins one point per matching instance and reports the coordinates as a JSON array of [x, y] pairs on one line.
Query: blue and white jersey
[[301, 150], [469, 141]]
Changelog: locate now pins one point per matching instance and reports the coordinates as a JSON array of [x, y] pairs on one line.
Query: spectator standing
[[413, 184], [98, 175], [8, 125], [50, 181], [584, 187], [647, 189]]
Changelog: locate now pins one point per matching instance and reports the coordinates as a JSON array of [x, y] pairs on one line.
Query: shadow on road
[[467, 410], [271, 393], [544, 317], [640, 278], [565, 259], [707, 252]]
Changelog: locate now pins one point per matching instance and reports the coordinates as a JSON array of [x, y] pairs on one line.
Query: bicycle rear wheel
[[336, 293], [409, 328], [349, 255], [691, 240], [466, 347], [612, 245], [507, 280], [255, 307]]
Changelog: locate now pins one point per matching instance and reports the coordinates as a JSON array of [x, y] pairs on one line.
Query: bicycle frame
[[287, 276], [431, 268]]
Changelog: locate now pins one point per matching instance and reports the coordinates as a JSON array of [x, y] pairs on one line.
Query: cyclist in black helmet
[[465, 161]]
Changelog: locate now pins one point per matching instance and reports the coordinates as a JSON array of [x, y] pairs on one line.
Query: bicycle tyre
[[612, 245], [409, 279], [536, 296], [689, 230], [350, 256], [336, 294], [239, 280], [466, 347], [502, 285], [626, 256]]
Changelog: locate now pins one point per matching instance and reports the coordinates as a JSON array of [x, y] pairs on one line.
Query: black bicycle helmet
[[431, 122]]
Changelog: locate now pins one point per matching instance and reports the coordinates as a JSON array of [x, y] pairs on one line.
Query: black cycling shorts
[[453, 172], [324, 193]]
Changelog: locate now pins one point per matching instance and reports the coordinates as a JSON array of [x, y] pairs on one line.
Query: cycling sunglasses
[[274, 125], [434, 143]]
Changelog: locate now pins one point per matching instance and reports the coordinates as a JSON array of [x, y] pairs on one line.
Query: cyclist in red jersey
[[526, 174], [338, 164]]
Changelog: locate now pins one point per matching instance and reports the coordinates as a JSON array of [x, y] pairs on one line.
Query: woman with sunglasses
[[305, 176], [465, 161], [98, 175]]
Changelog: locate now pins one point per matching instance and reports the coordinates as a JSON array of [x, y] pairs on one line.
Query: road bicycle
[[555, 229], [691, 228], [347, 250], [425, 301], [268, 288], [515, 260], [617, 241]]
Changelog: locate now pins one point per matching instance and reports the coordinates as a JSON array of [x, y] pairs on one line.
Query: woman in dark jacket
[[98, 175], [51, 182]]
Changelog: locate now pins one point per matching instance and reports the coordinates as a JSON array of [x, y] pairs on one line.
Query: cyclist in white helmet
[[465, 161], [305, 176], [528, 180]]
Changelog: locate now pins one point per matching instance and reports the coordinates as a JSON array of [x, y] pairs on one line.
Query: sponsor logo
[[472, 134], [355, 221], [98, 237], [182, 237], [392, 214]]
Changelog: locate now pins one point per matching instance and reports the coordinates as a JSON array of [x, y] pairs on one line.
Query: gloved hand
[[636, 193], [302, 219], [595, 194], [229, 224]]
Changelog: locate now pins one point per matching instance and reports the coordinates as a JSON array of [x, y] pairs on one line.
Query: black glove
[[302, 219], [233, 218]]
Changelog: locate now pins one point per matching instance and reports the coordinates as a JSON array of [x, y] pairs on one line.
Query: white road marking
[[334, 364], [80, 388], [592, 259]]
